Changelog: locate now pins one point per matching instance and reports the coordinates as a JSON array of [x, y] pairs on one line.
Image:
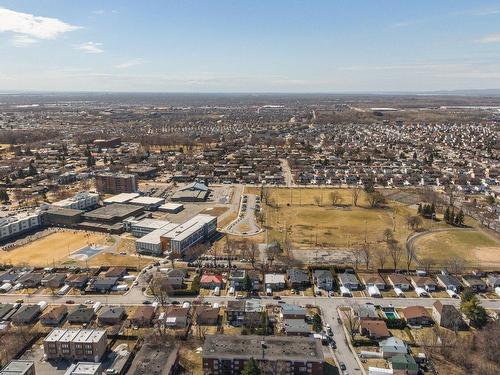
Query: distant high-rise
[[116, 183]]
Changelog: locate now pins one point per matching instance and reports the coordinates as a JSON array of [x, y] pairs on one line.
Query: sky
[[249, 45]]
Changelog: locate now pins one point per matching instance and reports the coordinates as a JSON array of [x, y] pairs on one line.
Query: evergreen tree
[[317, 323], [473, 310], [4, 196], [459, 219], [447, 215], [452, 217], [251, 368], [248, 283], [419, 211]]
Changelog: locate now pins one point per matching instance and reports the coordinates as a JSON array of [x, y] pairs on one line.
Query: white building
[[19, 223], [80, 201], [121, 198], [142, 227], [151, 243]]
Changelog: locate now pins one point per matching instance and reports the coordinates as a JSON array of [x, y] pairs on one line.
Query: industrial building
[[115, 183], [227, 354], [108, 143], [140, 228], [75, 344], [81, 201], [84, 368], [19, 223]]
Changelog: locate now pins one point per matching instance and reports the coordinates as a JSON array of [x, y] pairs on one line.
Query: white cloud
[[492, 38], [130, 63], [99, 12], [90, 47], [23, 41], [32, 26]]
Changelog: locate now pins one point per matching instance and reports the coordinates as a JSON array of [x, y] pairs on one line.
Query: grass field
[[473, 246], [51, 249], [343, 226]]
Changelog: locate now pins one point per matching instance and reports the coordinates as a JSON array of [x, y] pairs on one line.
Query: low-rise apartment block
[[75, 344]]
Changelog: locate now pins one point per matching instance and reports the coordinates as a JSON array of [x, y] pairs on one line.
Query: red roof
[[205, 279]]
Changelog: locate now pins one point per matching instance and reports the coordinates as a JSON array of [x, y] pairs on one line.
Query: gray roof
[[348, 278], [322, 274], [272, 347], [17, 367], [296, 275]]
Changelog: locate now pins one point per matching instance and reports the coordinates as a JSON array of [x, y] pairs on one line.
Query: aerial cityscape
[[249, 188]]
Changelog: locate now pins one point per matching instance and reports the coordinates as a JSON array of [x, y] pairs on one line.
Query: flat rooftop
[[121, 198], [115, 211], [272, 347], [147, 200], [189, 227]]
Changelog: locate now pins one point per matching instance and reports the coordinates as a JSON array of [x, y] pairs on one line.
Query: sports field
[[475, 247], [51, 249]]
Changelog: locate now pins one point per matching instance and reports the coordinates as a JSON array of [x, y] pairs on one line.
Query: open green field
[[475, 247]]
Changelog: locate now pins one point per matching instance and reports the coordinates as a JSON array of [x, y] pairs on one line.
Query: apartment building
[[227, 354], [19, 223], [75, 344], [115, 183], [80, 201]]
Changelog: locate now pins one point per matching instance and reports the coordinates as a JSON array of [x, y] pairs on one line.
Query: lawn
[[472, 246], [51, 249], [342, 226]]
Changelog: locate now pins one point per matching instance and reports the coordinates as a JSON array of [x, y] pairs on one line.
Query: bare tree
[[381, 256], [427, 263], [366, 254], [355, 195], [194, 253], [410, 257], [395, 252], [413, 222], [335, 198], [375, 199], [456, 265], [451, 192], [229, 250], [357, 255], [351, 321]]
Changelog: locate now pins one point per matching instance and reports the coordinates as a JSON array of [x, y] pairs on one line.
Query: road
[[287, 172], [246, 222]]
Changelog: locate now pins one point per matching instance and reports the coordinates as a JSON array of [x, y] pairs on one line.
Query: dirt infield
[[52, 249]]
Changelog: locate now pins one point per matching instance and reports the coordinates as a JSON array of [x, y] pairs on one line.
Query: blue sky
[[249, 45]]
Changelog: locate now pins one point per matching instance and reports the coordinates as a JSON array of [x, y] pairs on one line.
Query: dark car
[[276, 297], [146, 302], [333, 344], [70, 302], [342, 366]]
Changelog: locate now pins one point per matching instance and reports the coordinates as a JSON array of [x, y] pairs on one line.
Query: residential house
[[81, 315], [274, 281], [207, 316], [417, 316], [323, 279], [54, 316], [117, 272], [399, 281], [349, 281], [475, 283], [143, 316], [392, 346], [494, 280], [26, 314], [211, 281], [424, 282], [244, 312], [176, 278], [297, 278], [366, 312], [295, 327], [112, 316], [374, 280], [177, 317], [104, 284], [53, 281], [449, 282], [77, 280], [290, 311], [374, 329], [403, 363], [30, 280], [448, 316]]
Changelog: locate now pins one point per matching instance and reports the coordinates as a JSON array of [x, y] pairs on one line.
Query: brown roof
[[412, 312], [423, 281], [177, 312], [55, 312], [376, 327], [116, 271], [375, 279], [398, 278], [144, 313], [204, 313]]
